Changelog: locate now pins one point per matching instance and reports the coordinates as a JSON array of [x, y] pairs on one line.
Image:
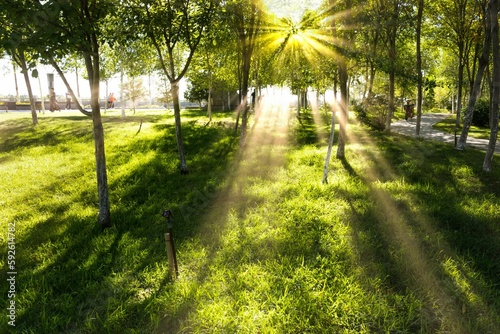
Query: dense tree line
[[373, 53]]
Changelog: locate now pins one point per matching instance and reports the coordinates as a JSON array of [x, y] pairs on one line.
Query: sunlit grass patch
[[449, 125], [263, 245]]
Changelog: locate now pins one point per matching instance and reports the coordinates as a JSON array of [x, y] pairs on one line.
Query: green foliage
[[195, 93], [133, 90], [372, 111], [481, 116]]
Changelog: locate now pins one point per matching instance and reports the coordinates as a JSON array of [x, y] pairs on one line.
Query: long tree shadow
[[87, 274], [442, 232]]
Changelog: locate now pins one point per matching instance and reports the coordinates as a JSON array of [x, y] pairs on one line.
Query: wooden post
[[169, 240], [172, 262]]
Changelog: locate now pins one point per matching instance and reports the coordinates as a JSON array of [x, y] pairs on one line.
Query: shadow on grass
[[73, 277], [306, 132], [22, 134], [433, 230]]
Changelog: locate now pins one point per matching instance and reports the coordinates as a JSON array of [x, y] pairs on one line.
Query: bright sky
[[292, 8], [282, 8], [7, 83]]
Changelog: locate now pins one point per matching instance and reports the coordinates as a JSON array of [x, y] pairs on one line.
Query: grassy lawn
[[448, 125], [405, 238]]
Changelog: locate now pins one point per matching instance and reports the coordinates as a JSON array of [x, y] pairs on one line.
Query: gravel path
[[407, 128]]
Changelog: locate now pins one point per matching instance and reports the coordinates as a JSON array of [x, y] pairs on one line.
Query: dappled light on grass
[[400, 240], [421, 255]]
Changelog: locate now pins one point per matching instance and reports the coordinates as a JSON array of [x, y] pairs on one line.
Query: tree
[[419, 64], [14, 38], [340, 30], [64, 28], [175, 29], [133, 59], [197, 90], [244, 17], [133, 90], [483, 64], [392, 25], [495, 86], [460, 19], [73, 62]]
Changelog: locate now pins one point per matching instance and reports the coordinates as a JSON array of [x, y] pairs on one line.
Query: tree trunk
[[240, 96], [299, 104], [244, 92], [209, 102], [15, 82], [106, 97], [92, 64], [419, 65], [330, 145], [495, 100], [24, 68], [42, 102], [209, 105], [178, 129], [77, 83], [476, 88], [68, 87], [459, 91], [343, 77], [392, 57], [122, 105]]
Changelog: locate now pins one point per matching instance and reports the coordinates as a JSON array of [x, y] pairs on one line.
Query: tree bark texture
[[330, 146], [178, 128], [495, 96], [393, 28], [343, 78], [24, 68], [92, 64], [419, 66], [476, 88]]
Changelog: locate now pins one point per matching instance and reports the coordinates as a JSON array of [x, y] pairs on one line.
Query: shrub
[[372, 111], [481, 115]]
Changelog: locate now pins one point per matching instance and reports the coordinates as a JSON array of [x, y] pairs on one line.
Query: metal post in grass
[[169, 240]]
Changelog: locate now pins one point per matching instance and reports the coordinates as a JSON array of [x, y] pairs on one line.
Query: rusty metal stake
[[169, 240]]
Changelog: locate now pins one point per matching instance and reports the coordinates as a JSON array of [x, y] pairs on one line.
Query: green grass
[[448, 125], [404, 238]]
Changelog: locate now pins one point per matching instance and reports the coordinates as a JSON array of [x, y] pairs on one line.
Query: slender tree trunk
[[244, 91], [68, 87], [240, 96], [372, 80], [122, 105], [330, 146], [105, 99], [299, 104], [24, 69], [92, 64], [42, 100], [419, 65], [483, 64], [178, 128], [209, 102], [77, 83], [495, 100], [459, 91], [343, 78], [392, 57], [14, 67]]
